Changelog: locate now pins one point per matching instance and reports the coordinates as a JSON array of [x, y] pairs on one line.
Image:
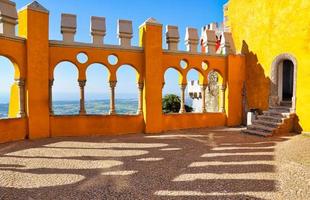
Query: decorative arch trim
[[274, 77]]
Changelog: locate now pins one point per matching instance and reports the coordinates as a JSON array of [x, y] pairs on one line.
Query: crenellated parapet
[[213, 39]]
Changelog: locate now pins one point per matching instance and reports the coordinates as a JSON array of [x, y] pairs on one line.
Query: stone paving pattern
[[188, 164]]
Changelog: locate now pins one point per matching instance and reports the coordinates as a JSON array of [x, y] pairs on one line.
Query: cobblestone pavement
[[189, 164]]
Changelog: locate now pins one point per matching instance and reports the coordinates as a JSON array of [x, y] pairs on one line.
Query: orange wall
[[34, 27], [152, 100], [236, 77], [95, 125], [12, 129], [192, 120]]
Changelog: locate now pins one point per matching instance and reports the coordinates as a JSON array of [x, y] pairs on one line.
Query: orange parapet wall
[[35, 58], [12, 129], [193, 120], [96, 125]]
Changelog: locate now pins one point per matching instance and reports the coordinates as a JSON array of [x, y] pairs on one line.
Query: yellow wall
[[264, 29], [14, 101]]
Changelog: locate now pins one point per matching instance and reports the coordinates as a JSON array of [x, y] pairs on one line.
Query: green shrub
[[172, 103]]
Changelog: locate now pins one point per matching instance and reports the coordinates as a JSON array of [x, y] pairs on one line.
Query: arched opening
[[6, 87], [97, 89], [65, 92], [126, 91], [283, 81], [193, 97], [171, 91]]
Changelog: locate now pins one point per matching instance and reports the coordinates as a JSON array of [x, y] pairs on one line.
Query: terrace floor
[[188, 164]]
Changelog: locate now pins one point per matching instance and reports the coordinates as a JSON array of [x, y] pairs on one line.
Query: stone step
[[270, 118], [280, 109], [286, 103], [267, 123], [257, 132], [261, 127], [275, 113]]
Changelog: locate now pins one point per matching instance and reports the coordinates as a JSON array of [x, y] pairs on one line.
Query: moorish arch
[[283, 81]]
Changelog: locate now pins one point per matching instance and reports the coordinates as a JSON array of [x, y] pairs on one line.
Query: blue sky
[[195, 13]]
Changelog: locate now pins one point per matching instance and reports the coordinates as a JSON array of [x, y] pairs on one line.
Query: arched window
[[193, 97], [97, 89], [171, 91], [6, 84], [66, 89], [126, 91]]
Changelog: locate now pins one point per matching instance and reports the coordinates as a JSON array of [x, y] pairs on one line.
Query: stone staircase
[[274, 121]]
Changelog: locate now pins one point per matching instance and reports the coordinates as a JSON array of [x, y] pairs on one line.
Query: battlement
[[210, 34]]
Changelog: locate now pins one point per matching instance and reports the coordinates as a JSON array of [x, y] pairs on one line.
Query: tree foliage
[[172, 103]]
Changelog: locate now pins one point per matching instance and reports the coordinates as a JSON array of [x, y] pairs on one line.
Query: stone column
[[223, 89], [21, 87], [82, 84], [112, 97], [182, 107], [50, 93], [203, 94], [140, 102]]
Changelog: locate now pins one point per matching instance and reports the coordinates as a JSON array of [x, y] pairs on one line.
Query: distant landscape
[[122, 106], [3, 110]]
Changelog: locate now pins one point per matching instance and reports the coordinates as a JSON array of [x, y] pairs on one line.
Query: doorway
[[283, 81], [287, 80]]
